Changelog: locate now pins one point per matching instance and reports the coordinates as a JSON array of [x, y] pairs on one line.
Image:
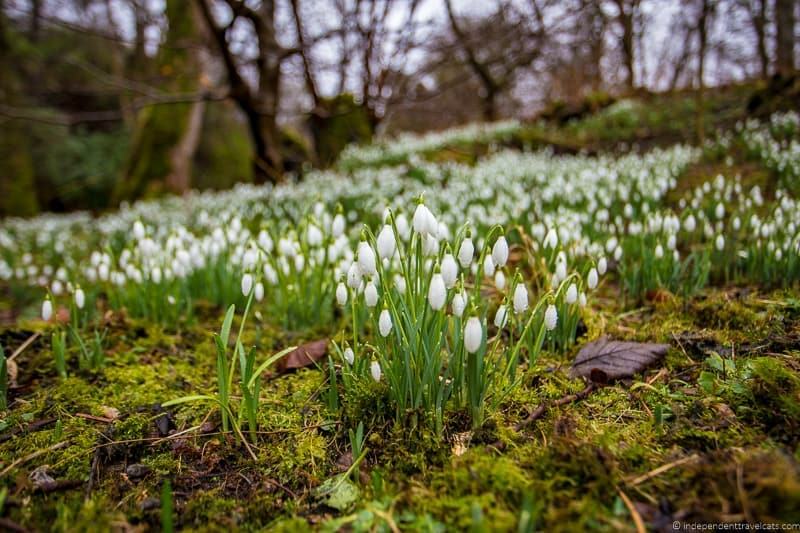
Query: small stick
[[24, 345], [637, 518], [33, 456], [663, 468]]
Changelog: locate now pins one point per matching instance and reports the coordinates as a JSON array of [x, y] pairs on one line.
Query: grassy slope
[[700, 437]]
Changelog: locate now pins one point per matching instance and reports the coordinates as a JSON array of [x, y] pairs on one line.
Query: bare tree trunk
[[784, 36], [760, 26], [179, 179], [702, 36], [627, 16]]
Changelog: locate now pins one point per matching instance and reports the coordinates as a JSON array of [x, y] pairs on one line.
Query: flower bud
[[385, 323], [473, 335], [386, 242], [465, 252], [550, 317], [341, 294], [47, 310], [449, 270], [520, 298], [371, 295], [500, 252], [375, 370], [247, 284], [437, 292]]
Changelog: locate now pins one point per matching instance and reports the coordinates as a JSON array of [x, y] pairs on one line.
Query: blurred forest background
[[107, 101]]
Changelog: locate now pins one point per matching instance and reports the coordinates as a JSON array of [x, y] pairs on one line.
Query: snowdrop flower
[[602, 266], [138, 230], [592, 279], [473, 335], [371, 294], [582, 299], [386, 242], [349, 355], [400, 283], [572, 294], [375, 370], [488, 266], [341, 294], [449, 270], [500, 280], [459, 304], [736, 223], [437, 292], [385, 323], [520, 298], [247, 284], [80, 298], [366, 259], [500, 252], [57, 287], [561, 270], [719, 212], [313, 235], [259, 292], [354, 276], [337, 226], [465, 252], [551, 239], [690, 224], [430, 245], [155, 275], [550, 317], [659, 251], [720, 242], [501, 317], [422, 220], [47, 310]]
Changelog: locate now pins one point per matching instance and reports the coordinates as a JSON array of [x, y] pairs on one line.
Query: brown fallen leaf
[[606, 359], [303, 356]]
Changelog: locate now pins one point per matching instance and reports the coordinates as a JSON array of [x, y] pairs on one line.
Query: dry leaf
[[111, 413], [606, 359], [303, 356]]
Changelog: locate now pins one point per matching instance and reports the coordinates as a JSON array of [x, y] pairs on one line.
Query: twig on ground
[[663, 468], [32, 456]]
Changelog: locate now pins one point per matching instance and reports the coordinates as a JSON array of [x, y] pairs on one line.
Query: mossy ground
[[711, 434]]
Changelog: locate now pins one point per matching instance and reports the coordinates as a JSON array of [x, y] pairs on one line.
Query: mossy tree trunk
[[166, 135], [17, 177]]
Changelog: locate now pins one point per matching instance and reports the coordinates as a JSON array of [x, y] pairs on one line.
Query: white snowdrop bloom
[[349, 355], [520, 298], [551, 239], [449, 270], [778, 254], [102, 272], [465, 252], [671, 241], [550, 317], [572, 294], [247, 284], [299, 262], [249, 259], [386, 242], [270, 274], [171, 299], [501, 317], [554, 282], [138, 230], [736, 223], [385, 323], [499, 280], [437, 292], [258, 292], [314, 235], [430, 245], [57, 287], [341, 294], [488, 266], [719, 212], [459, 304], [473, 335], [80, 298], [354, 276], [582, 299], [265, 241], [366, 259], [720, 242], [500, 252], [47, 310], [618, 253], [337, 226], [155, 275], [659, 251], [602, 266], [561, 270], [403, 229], [592, 279], [371, 295], [422, 220], [375, 370], [400, 283]]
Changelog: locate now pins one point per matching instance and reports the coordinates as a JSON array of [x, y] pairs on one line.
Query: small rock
[[137, 471], [149, 504]]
